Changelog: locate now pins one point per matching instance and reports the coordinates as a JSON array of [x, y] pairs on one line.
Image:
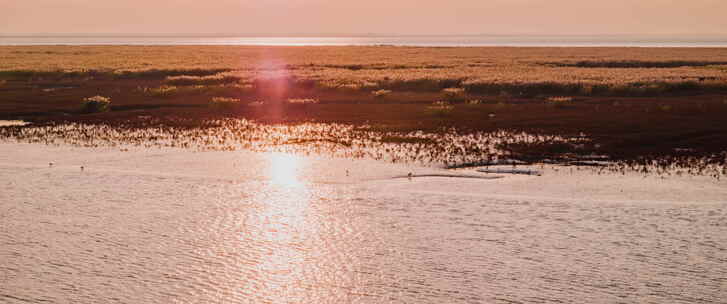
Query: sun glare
[[286, 221], [284, 170]]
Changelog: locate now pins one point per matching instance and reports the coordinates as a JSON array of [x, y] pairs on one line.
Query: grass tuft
[[454, 94], [560, 102], [441, 109], [164, 91], [223, 103], [216, 79], [302, 101], [381, 94], [560, 99], [95, 104]]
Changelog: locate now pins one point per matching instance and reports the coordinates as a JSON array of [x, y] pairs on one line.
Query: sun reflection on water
[[287, 223], [284, 169]]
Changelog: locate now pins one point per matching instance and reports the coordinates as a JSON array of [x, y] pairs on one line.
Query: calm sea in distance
[[440, 41]]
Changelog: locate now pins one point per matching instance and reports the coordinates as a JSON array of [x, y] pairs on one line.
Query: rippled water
[[161, 226]]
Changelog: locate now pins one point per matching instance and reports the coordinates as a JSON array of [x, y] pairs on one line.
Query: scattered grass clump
[[586, 90], [454, 94], [347, 85], [186, 80], [560, 99], [381, 94], [164, 91], [560, 102], [302, 101], [339, 85], [223, 103], [216, 90], [441, 109], [95, 104]]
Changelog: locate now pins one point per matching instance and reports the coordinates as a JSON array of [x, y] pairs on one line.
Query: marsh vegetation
[[642, 108]]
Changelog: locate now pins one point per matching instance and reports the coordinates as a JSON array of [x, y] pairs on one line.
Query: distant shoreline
[[386, 40]]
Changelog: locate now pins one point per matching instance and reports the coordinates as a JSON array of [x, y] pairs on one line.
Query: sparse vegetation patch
[[381, 94], [95, 104], [224, 103]]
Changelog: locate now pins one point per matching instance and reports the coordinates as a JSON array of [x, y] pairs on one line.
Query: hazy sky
[[559, 17]]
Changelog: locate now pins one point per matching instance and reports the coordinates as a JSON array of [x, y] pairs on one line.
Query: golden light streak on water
[[287, 224], [284, 169]]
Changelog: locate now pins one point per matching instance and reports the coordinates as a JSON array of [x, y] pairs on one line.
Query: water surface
[[168, 225]]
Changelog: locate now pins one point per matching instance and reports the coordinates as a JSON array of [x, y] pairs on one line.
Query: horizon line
[[339, 35]]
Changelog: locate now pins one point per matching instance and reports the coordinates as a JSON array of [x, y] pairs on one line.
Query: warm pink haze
[[280, 17]]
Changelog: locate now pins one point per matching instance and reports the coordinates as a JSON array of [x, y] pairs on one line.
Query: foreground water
[[171, 225]]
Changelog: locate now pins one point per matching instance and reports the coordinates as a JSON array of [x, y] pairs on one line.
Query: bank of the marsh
[[636, 106]]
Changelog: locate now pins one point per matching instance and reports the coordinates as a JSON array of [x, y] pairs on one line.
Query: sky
[[360, 17]]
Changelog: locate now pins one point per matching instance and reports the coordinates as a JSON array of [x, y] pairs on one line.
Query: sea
[[139, 225], [423, 41]]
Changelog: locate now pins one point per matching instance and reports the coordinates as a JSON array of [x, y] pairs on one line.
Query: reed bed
[[485, 71]]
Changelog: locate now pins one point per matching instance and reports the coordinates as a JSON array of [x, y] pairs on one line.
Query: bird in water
[[410, 175], [50, 164], [82, 168]]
